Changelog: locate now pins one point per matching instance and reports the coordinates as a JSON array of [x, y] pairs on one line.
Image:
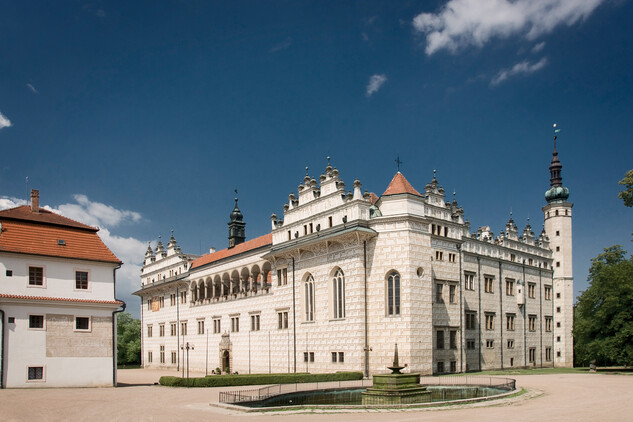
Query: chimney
[[35, 200]]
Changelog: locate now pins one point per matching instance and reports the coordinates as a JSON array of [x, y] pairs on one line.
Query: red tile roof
[[373, 198], [60, 299], [256, 243], [399, 184], [42, 216], [39, 234]]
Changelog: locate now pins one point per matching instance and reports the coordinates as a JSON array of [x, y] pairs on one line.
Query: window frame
[[309, 293], [42, 285], [394, 292], [43, 373], [338, 294], [82, 330], [82, 289]]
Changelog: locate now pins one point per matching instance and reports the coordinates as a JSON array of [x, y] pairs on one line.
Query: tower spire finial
[[398, 162]]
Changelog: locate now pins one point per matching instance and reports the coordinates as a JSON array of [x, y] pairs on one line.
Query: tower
[[558, 227], [237, 227]]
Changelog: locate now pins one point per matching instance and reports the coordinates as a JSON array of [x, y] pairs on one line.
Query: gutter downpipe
[[479, 287], [114, 328], [366, 321], [501, 309], [461, 313], [525, 315], [2, 345], [178, 329], [540, 311], [294, 317]]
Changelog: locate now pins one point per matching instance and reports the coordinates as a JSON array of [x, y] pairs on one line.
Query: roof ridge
[[43, 216]]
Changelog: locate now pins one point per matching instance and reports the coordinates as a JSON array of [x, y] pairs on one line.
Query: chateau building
[[343, 275], [57, 301]]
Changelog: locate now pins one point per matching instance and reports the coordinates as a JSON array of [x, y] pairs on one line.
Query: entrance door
[[226, 362]]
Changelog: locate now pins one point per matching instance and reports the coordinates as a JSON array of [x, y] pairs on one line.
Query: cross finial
[[307, 170], [398, 162], [172, 232]]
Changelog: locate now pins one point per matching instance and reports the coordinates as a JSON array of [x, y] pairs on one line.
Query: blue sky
[[144, 116]]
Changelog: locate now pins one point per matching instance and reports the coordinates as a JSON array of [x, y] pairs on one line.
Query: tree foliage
[[128, 339], [627, 194], [603, 315]]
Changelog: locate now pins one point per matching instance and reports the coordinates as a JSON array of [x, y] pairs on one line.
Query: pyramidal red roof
[[256, 243], [399, 184]]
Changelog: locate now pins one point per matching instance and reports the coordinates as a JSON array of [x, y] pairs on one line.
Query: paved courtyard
[[555, 397]]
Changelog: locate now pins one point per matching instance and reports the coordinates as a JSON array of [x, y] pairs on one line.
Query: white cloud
[[524, 67], [32, 88], [4, 121], [7, 202], [375, 83], [463, 23], [97, 213], [283, 45], [538, 47]]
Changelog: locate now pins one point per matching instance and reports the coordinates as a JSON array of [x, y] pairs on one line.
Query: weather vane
[[398, 162], [556, 131]]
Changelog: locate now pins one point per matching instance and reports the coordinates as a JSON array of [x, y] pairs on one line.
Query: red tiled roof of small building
[[399, 184], [61, 299], [40, 233], [256, 243], [373, 198]]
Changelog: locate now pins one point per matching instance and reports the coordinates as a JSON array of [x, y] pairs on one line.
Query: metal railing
[[278, 389], [263, 393]]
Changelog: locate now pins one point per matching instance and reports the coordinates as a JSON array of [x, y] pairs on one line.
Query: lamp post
[[187, 346]]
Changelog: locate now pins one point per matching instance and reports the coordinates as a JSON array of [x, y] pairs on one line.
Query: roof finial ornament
[[556, 130], [434, 174], [307, 170], [328, 160], [398, 162]]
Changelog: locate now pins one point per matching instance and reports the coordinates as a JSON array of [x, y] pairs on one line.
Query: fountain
[[396, 388]]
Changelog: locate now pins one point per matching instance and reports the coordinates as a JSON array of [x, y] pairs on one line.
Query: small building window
[[440, 340], [9, 273], [35, 373], [469, 281], [393, 294], [81, 280], [36, 321], [440, 367], [201, 327], [282, 320], [453, 339], [235, 324], [451, 293], [82, 323], [509, 287], [438, 293], [36, 276], [255, 322], [489, 284]]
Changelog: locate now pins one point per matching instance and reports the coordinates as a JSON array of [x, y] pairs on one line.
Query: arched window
[[309, 298], [393, 293], [338, 291]]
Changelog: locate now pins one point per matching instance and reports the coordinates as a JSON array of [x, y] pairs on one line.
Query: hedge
[[257, 379]]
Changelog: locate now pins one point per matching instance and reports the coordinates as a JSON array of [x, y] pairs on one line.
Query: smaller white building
[[57, 301]]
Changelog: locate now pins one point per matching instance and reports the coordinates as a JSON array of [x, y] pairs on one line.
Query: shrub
[[257, 379]]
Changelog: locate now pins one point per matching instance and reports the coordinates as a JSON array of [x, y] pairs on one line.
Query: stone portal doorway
[[226, 354]]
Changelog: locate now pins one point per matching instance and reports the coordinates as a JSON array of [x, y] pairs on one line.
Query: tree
[[627, 194], [128, 339], [603, 315]]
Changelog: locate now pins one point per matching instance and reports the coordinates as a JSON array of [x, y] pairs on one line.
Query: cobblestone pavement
[[555, 397]]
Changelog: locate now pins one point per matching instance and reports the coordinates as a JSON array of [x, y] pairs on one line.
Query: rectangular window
[[440, 339], [548, 354], [490, 321], [510, 344], [201, 327], [548, 323], [149, 357], [531, 290], [162, 354], [471, 320], [341, 357], [255, 322], [305, 356], [36, 321], [490, 344], [183, 328], [173, 358], [183, 297], [82, 323], [510, 322], [548, 292], [161, 330], [235, 324], [35, 373], [453, 339], [149, 304], [36, 276], [172, 329], [282, 320], [9, 273], [451, 257], [440, 367], [532, 355], [161, 302], [172, 299], [509, 287], [451, 293], [81, 280], [469, 281], [439, 255], [489, 284], [149, 330], [470, 344], [329, 221], [438, 293], [216, 326], [532, 322], [282, 277], [453, 366]]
